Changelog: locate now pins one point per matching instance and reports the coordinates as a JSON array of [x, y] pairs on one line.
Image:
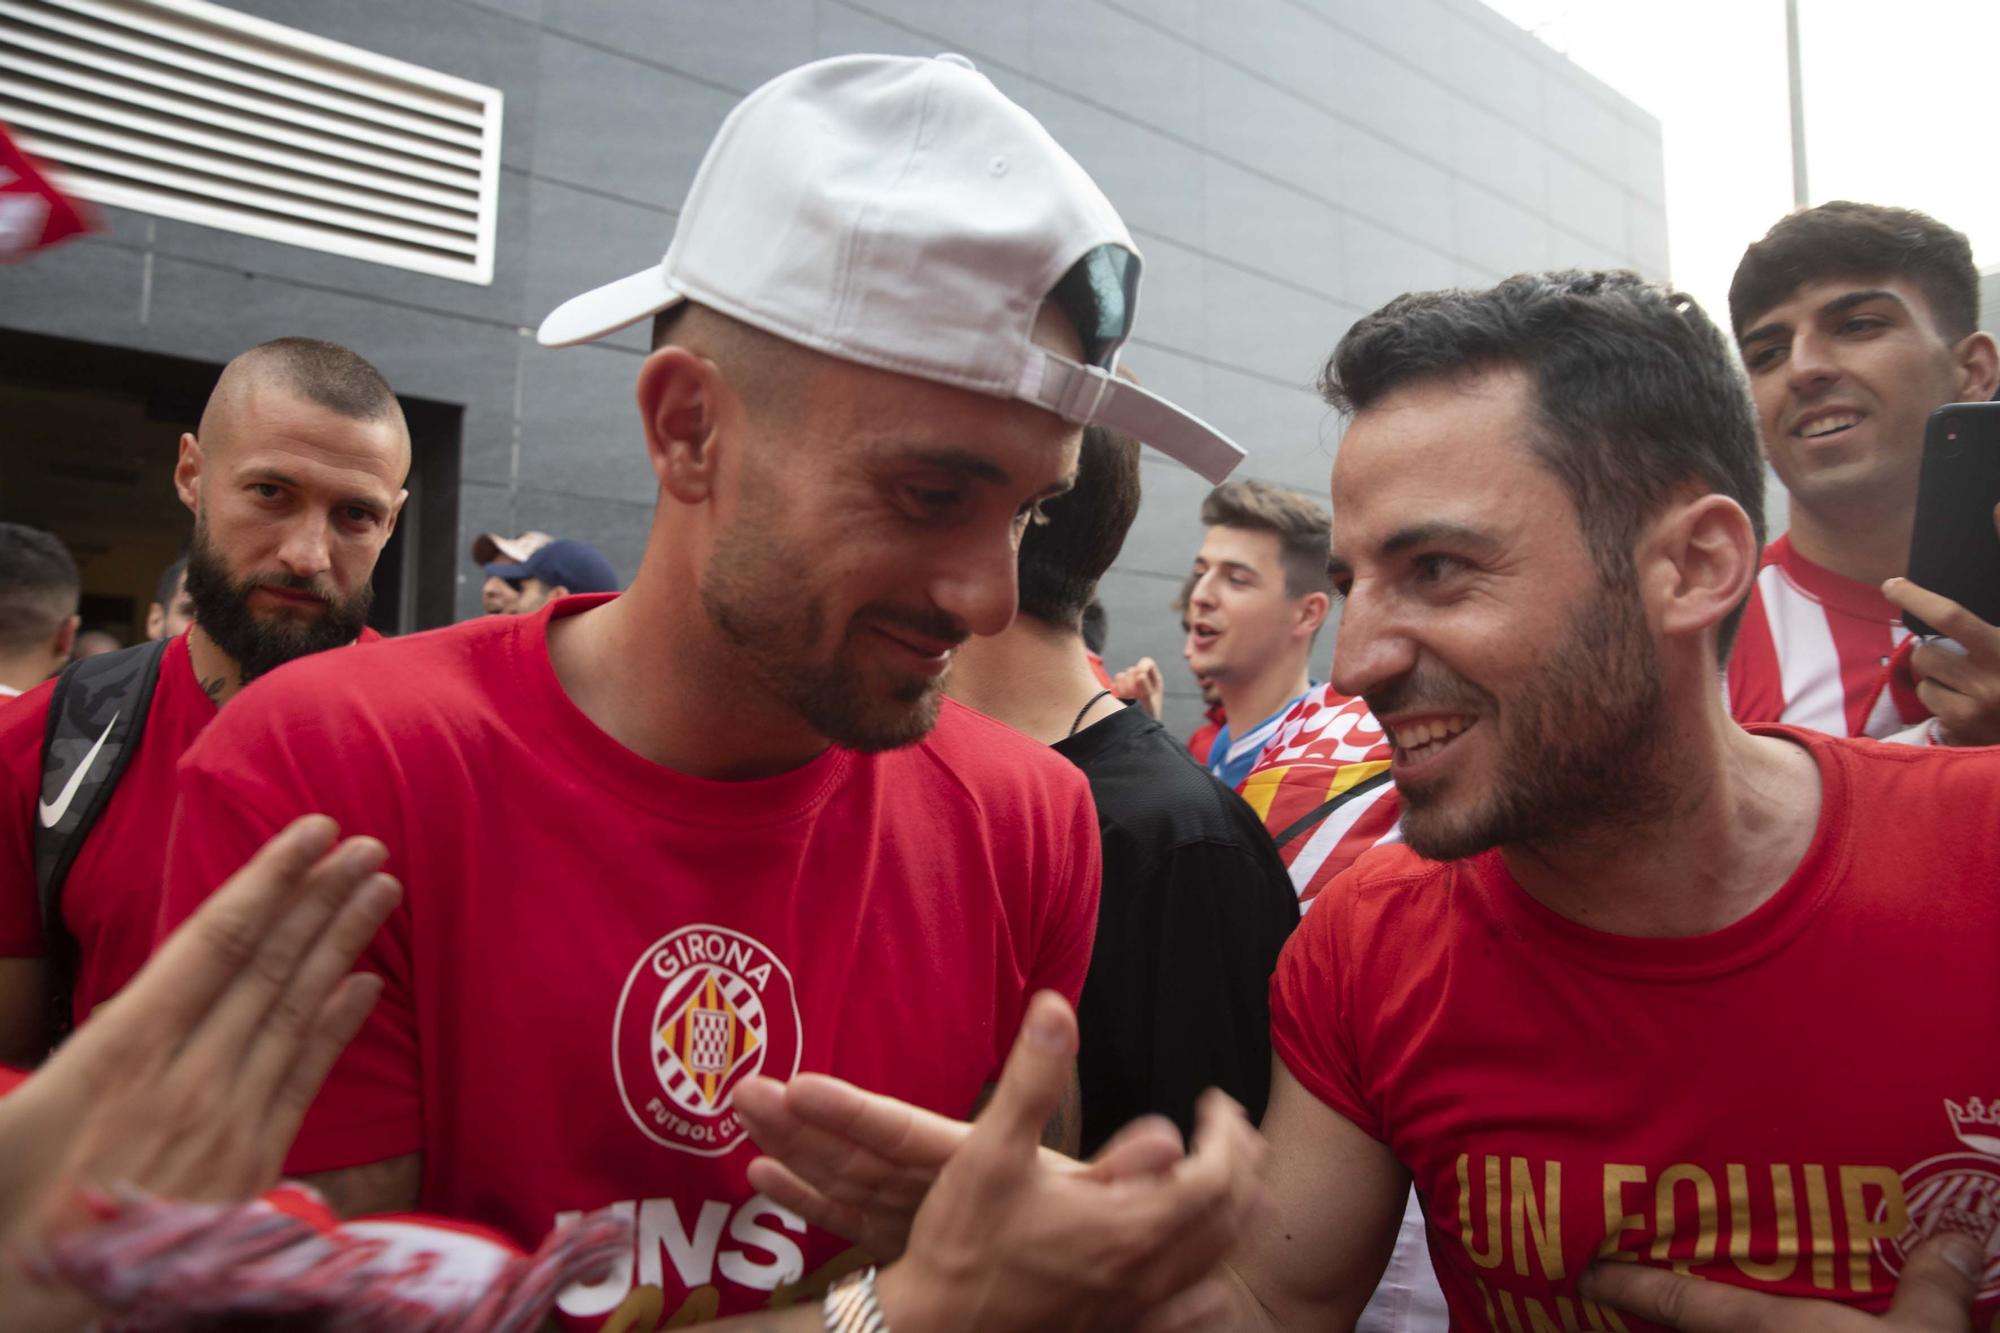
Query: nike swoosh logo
[[52, 812]]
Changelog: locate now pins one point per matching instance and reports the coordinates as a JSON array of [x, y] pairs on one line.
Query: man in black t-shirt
[[1196, 904]]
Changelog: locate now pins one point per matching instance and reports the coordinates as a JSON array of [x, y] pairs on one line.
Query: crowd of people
[[814, 934]]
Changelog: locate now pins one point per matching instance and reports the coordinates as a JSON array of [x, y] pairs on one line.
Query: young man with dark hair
[[295, 478], [1611, 1028], [1855, 322], [39, 592], [759, 839], [1258, 601], [1195, 903]]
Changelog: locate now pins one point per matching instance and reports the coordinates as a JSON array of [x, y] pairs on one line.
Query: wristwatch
[[850, 1305]]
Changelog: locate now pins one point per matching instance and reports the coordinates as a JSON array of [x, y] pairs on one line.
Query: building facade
[[1285, 165]]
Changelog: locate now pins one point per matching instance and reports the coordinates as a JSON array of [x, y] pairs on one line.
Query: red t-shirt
[[1791, 1102], [1322, 787], [1204, 736], [111, 897], [592, 950], [1814, 650]]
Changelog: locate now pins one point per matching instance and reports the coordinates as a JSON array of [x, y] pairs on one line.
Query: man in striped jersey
[[1855, 322]]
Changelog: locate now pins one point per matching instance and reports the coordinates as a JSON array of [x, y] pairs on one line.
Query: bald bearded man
[[295, 479]]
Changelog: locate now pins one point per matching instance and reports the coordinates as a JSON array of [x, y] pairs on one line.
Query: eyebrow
[[1420, 534], [1839, 305], [281, 478], [962, 462]]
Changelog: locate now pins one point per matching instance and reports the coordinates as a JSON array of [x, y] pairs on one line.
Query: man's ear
[[395, 512], [1696, 563], [1978, 368], [558, 591], [187, 474], [683, 403], [65, 640], [1311, 613]]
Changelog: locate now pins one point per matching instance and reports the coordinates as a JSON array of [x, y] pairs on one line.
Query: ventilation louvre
[[188, 110]]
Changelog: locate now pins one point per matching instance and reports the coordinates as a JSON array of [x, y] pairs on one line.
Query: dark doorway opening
[[88, 449]]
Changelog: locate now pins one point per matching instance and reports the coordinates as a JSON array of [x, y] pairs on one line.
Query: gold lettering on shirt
[[1506, 1296], [1490, 1256], [1616, 1220], [1785, 1257], [1862, 1230], [1819, 1226], [639, 1312], [1545, 1223], [1666, 1216]]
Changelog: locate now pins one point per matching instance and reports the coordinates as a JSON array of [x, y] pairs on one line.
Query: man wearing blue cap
[[556, 570]]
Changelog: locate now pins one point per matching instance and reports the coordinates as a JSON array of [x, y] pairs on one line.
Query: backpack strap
[[96, 715]]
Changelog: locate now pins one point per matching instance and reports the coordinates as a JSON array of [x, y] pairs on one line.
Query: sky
[[1899, 109]]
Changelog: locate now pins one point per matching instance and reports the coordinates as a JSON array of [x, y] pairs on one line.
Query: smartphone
[[1954, 550]]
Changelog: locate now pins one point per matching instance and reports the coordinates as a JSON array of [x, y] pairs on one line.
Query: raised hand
[[1006, 1239], [858, 1164], [191, 1084], [1961, 688], [1142, 683]]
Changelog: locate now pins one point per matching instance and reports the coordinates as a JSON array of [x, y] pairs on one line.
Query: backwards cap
[[904, 214]]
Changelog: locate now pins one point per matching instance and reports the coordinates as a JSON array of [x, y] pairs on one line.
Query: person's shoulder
[[348, 698], [421, 670], [1147, 782], [987, 760], [1391, 893], [1954, 772]]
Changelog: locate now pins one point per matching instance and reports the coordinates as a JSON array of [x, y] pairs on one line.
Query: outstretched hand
[[859, 1164], [1007, 1235], [192, 1082], [1935, 1295]]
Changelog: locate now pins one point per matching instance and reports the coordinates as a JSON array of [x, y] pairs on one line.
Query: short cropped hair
[[1079, 533], [39, 586], [169, 583], [328, 374], [1303, 527], [1843, 239], [1636, 393]]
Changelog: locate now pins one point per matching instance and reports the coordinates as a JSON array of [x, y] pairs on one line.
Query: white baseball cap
[[902, 213]]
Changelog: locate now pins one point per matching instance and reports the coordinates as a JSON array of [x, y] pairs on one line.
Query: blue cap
[[575, 565]]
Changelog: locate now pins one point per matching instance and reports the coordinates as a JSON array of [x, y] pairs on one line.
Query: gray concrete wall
[[1286, 165]]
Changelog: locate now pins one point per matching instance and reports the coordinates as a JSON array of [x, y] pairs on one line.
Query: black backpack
[[96, 716]]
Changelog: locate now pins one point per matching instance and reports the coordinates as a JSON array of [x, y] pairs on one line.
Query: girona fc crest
[[1954, 1192], [704, 1008]]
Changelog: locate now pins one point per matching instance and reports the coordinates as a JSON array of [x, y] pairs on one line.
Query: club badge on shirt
[[704, 1008], [1957, 1191]]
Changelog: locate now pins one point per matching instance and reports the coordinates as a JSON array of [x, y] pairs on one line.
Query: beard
[[1579, 747], [754, 590], [258, 644]]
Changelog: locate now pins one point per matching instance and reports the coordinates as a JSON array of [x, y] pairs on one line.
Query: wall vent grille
[[188, 110]]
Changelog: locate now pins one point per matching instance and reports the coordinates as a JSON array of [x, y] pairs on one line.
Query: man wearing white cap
[[760, 841]]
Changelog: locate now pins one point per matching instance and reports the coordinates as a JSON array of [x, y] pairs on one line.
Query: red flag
[[33, 213]]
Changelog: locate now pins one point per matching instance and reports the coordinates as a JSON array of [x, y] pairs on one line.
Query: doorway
[[87, 452]]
